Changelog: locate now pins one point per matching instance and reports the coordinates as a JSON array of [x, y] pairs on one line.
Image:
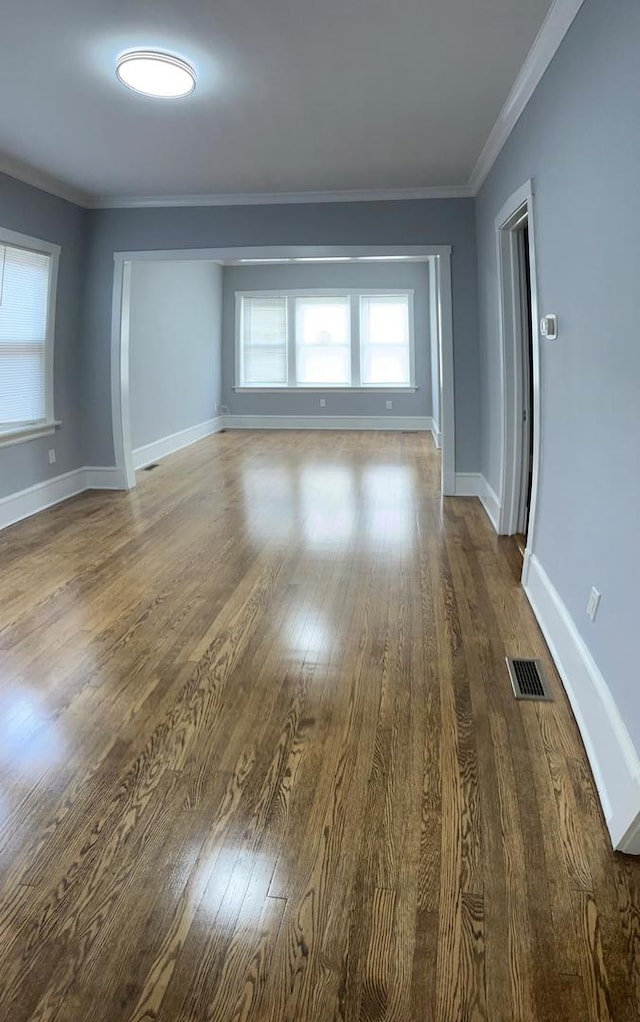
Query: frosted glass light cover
[[156, 74]]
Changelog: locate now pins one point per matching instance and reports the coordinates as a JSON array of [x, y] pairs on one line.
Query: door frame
[[511, 363], [438, 256]]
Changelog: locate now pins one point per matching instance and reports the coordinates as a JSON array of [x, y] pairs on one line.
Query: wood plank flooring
[[260, 757]]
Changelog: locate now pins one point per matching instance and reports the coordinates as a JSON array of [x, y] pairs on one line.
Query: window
[[264, 341], [324, 339], [384, 339], [28, 271], [323, 348]]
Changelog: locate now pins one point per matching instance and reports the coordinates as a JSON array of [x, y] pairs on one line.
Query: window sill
[[20, 434], [391, 389]]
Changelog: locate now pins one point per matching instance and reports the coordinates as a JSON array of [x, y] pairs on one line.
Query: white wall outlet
[[549, 327], [389, 405], [593, 604], [323, 403], [52, 456]]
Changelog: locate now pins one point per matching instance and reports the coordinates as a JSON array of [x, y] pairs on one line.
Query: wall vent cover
[[528, 679]]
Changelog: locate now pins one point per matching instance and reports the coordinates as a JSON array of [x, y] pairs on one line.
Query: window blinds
[[264, 341], [24, 293]]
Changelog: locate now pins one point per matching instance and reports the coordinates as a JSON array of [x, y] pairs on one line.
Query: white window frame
[[12, 433], [354, 295]]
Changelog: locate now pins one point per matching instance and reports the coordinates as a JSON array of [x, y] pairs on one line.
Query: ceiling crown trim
[[557, 23], [40, 179], [279, 198]]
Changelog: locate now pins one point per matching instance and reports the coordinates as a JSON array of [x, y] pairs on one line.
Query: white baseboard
[[410, 423], [612, 755], [436, 434], [474, 484], [491, 504], [159, 449], [103, 478], [36, 498]]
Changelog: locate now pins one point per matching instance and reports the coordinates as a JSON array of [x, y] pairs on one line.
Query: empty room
[[319, 695]]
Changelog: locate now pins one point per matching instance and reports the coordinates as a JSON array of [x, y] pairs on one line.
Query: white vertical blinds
[[385, 340], [264, 342], [323, 342], [24, 294]]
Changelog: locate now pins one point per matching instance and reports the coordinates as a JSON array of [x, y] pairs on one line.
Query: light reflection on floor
[[308, 635], [328, 504], [389, 498], [268, 501], [29, 740], [228, 894]]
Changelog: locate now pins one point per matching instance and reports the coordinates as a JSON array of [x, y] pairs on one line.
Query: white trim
[[279, 198], [354, 298], [40, 179], [447, 394], [317, 389], [53, 251], [326, 292], [98, 477], [393, 423], [474, 484], [468, 484], [270, 253], [510, 350], [434, 351], [120, 413], [21, 434], [30, 501], [554, 28], [610, 749], [17, 506], [491, 503], [19, 240], [119, 333], [146, 455]]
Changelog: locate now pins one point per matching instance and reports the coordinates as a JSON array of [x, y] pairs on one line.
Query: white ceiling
[[292, 96]]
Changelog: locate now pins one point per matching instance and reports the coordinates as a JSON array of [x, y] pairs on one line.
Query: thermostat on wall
[[549, 327]]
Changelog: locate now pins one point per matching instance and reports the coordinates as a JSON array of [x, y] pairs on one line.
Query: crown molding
[[556, 25], [554, 28], [40, 179], [278, 198]]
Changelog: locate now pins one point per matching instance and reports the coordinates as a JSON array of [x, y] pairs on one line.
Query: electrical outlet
[[323, 403], [52, 456], [593, 604], [389, 405]]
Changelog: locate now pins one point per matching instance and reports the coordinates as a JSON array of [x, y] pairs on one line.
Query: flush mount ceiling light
[[156, 74]]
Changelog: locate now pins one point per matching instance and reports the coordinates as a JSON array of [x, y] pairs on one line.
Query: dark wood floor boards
[[265, 763]]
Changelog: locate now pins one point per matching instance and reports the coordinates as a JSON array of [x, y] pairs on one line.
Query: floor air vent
[[527, 679], [149, 468]]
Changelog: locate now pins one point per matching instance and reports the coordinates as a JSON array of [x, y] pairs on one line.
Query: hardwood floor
[[261, 758]]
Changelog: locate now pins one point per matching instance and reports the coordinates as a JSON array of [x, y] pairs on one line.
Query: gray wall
[[348, 275], [174, 347], [43, 216], [579, 139], [426, 222]]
